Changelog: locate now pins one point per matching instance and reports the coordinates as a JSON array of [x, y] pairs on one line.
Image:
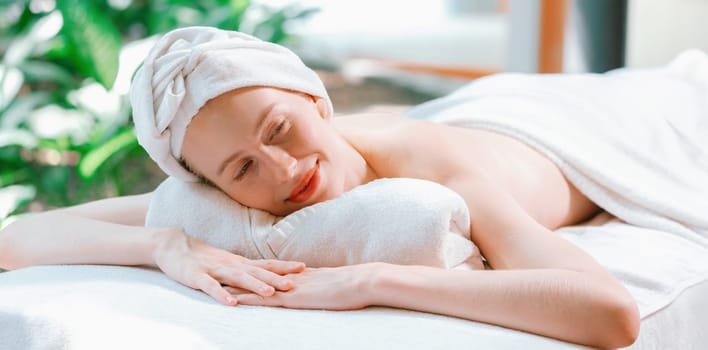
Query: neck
[[360, 169]]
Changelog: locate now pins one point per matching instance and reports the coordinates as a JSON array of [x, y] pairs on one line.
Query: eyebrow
[[236, 154]]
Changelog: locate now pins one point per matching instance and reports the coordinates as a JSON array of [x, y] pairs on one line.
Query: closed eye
[[277, 130], [244, 169]]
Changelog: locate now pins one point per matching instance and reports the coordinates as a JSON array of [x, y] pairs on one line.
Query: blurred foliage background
[[66, 134]]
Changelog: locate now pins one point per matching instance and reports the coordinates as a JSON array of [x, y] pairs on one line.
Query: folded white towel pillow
[[399, 221]]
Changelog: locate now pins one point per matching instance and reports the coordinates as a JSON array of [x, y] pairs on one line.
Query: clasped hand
[[200, 266], [232, 279]]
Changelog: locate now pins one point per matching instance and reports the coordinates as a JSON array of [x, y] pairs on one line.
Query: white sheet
[[109, 307], [680, 325]]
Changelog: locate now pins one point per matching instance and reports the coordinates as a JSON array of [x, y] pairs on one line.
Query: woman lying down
[[525, 154]]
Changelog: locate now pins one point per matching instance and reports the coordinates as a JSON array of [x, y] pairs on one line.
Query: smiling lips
[[307, 186]]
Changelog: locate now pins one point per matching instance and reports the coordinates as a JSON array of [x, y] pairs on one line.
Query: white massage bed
[[681, 325], [109, 307]]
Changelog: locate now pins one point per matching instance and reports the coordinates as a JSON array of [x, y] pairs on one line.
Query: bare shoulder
[[382, 129], [388, 142], [462, 158], [125, 210], [371, 121]]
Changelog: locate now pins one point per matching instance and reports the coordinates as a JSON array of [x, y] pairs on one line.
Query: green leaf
[[17, 137], [92, 161], [21, 107], [93, 38], [46, 71], [239, 6], [11, 80], [13, 197], [54, 184], [14, 176], [272, 28]]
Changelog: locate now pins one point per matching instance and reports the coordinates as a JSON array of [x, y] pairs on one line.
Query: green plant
[[65, 130]]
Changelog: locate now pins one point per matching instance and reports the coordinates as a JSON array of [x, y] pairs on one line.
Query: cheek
[[251, 196], [315, 135]]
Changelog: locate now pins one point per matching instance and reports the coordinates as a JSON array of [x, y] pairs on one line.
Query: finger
[[246, 281], [279, 266], [213, 288], [257, 300], [236, 290], [279, 282]]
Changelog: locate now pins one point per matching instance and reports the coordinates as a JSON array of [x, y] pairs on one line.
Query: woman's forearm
[[63, 238], [91, 235], [563, 304]]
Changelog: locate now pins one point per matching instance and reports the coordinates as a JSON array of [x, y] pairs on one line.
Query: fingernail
[[230, 300], [266, 289]]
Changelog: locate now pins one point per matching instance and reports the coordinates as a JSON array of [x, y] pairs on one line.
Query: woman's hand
[[337, 288], [200, 266]]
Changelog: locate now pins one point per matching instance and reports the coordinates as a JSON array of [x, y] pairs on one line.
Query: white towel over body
[[634, 141]]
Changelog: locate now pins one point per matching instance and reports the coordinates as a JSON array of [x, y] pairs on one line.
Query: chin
[[282, 211], [289, 209]]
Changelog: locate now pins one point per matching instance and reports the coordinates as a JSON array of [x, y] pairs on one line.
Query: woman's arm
[[544, 284], [103, 232], [110, 232], [541, 283]]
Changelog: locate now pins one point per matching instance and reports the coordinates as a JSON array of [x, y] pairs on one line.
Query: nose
[[280, 164]]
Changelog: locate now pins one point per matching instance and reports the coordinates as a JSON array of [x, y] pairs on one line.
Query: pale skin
[[539, 282]]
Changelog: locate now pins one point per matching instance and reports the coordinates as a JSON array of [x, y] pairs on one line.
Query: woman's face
[[267, 148]]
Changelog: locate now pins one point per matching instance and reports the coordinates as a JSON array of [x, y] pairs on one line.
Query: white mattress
[[109, 307], [680, 325]]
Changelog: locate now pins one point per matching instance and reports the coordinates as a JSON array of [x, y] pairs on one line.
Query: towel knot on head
[[187, 67]]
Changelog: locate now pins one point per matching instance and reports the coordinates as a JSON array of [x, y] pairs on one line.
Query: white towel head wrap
[[188, 67]]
